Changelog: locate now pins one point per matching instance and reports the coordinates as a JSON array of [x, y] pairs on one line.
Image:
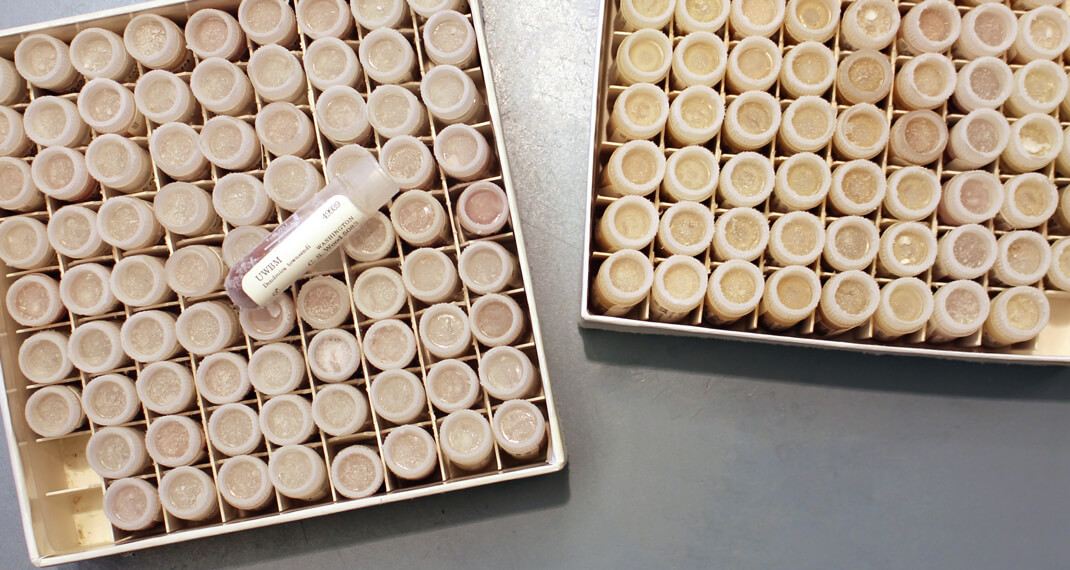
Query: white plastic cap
[[394, 111], [174, 441], [686, 229], [164, 98], [679, 287], [429, 275], [409, 452], [496, 320], [156, 42], [966, 252], [734, 290], [46, 63], [467, 439], [851, 243], [95, 347], [747, 180], [740, 233], [330, 62], [977, 139], [1035, 141], [1039, 87], [796, 238], [907, 249], [389, 344], [397, 396], [108, 107], [752, 120], [339, 409], [418, 218], [791, 295], [808, 69], [268, 21], [99, 53], [379, 14], [988, 30], [276, 368], [1029, 200], [197, 323], [970, 198], [483, 208], [623, 281], [926, 81], [271, 322], [118, 163], [858, 187], [284, 129], [905, 306], [691, 17], [643, 57], [138, 281], [519, 428], [132, 504], [691, 173], [357, 472], [1059, 272], [195, 270], [451, 95], [749, 18], [325, 18], [984, 83], [861, 132], [116, 452], [639, 15], [640, 112], [221, 87], [386, 56], [334, 355], [165, 387], [869, 24], [128, 223], [695, 116], [185, 209], [243, 480], [462, 152], [864, 76], [43, 358], [12, 85], [913, 193], [72, 231], [452, 385], [223, 378], [287, 420], [699, 59], [372, 241], [931, 26], [19, 193], [175, 150], [241, 200], [409, 162], [848, 300], [24, 244], [323, 302], [86, 290], [276, 74], [111, 400], [635, 168], [450, 40], [802, 182], [959, 309], [33, 300], [379, 293], [812, 21], [14, 141], [808, 124], [343, 115], [291, 182], [1043, 33], [445, 331], [54, 121], [1024, 258], [917, 138], [1017, 315], [189, 494], [487, 267], [753, 64], [149, 336], [507, 373], [214, 33], [628, 223]]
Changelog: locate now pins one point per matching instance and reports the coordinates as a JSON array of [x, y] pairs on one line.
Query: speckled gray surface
[[684, 452]]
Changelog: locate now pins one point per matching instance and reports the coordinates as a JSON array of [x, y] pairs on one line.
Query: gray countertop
[[685, 452]]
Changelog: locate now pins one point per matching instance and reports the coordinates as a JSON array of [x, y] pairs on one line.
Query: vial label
[[309, 242]]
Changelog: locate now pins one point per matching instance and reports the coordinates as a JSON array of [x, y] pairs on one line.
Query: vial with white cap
[[864, 76], [445, 331], [284, 129], [966, 252], [1043, 33], [357, 472], [419, 219], [451, 95], [387, 56], [222, 87], [1035, 141], [276, 368], [1059, 272], [138, 281], [858, 187], [430, 276], [46, 63], [643, 57], [13, 139], [630, 222], [1039, 87], [223, 378], [695, 116], [812, 20], [519, 428], [977, 139], [324, 221], [185, 209], [207, 327], [848, 300], [175, 150], [791, 295], [751, 121], [691, 174], [452, 385], [99, 53], [54, 411], [679, 286], [241, 200], [276, 74], [379, 293], [12, 84], [913, 193], [325, 18], [740, 233], [960, 308], [926, 81], [984, 83], [640, 112], [34, 300], [970, 198], [906, 249], [95, 347], [379, 14], [174, 441], [149, 336], [869, 24], [214, 33], [17, 191], [917, 138], [988, 30], [463, 152], [851, 243], [287, 420], [334, 355], [54, 121], [906, 304], [108, 107], [268, 21], [861, 132], [118, 163], [734, 290], [43, 358], [394, 111], [389, 344], [165, 387], [24, 244], [808, 125], [496, 320], [700, 16], [291, 182], [128, 223], [466, 438], [686, 228], [747, 180], [195, 270], [801, 183], [132, 504], [931, 26], [271, 322], [157, 43], [753, 64], [229, 143], [189, 494], [449, 39], [409, 162], [1028, 201], [409, 453], [796, 238], [372, 241], [397, 396], [117, 452], [749, 18], [86, 290], [1016, 315], [343, 115], [323, 302], [243, 480], [329, 61], [699, 59], [1023, 259], [808, 69], [340, 409], [641, 15], [623, 281], [164, 98], [635, 168]]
